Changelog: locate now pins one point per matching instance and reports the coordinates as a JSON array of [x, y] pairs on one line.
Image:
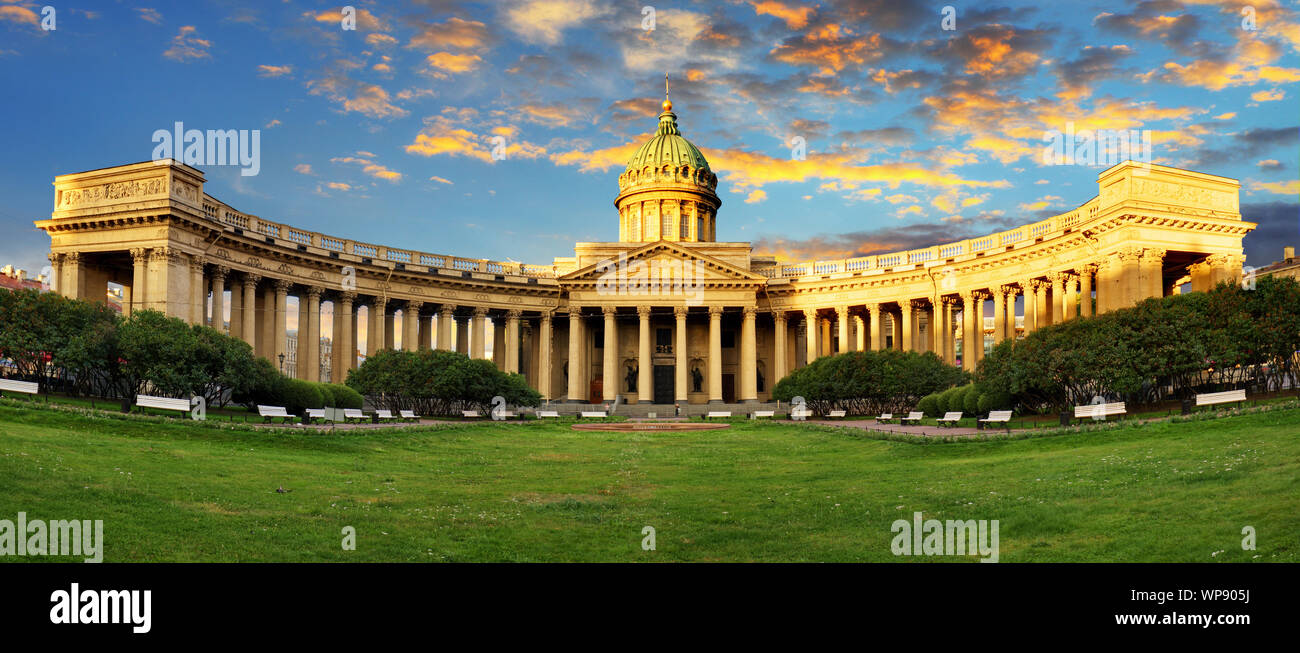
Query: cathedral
[[665, 315]]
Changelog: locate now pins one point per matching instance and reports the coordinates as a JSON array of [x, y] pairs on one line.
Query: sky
[[914, 134]]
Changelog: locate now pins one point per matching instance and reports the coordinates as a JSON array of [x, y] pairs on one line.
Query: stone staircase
[[663, 410]]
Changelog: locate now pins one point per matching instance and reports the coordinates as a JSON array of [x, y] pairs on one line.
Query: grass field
[[542, 492]]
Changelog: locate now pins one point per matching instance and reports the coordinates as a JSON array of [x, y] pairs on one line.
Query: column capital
[[575, 309], [1153, 255], [72, 257], [138, 254], [378, 303], [414, 304], [55, 257], [314, 292], [447, 309], [979, 295], [949, 300], [1006, 290], [1058, 277], [715, 311], [873, 309], [251, 280], [778, 315], [282, 285], [197, 261], [680, 311], [918, 303], [609, 311], [1129, 254], [514, 314], [347, 297], [220, 272], [751, 312], [546, 318], [643, 312], [810, 313], [480, 311]]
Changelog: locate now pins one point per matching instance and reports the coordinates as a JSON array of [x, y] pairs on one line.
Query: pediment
[[659, 262]]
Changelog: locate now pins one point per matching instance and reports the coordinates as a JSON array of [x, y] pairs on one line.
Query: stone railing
[[219, 212], [1052, 227]]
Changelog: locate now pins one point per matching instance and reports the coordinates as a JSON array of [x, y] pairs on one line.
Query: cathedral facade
[[667, 314]]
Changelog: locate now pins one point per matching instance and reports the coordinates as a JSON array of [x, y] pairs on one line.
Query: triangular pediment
[[660, 261]]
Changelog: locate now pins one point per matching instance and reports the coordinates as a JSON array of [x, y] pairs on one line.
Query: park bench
[[593, 413], [885, 418], [996, 417], [913, 417], [837, 413], [718, 413], [800, 413], [314, 414], [470, 414], [951, 418], [29, 387], [1214, 398], [409, 415], [548, 413], [350, 414], [269, 413], [763, 413], [163, 403], [1099, 411], [386, 415]]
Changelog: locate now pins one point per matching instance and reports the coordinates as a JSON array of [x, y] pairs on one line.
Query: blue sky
[[915, 134]]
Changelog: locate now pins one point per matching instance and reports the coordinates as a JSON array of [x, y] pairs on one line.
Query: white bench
[[548, 413], [385, 415], [718, 413], [470, 414], [763, 413], [914, 416], [505, 414], [996, 417], [837, 413], [315, 414], [409, 414], [163, 403], [25, 387], [269, 413], [1212, 398], [1099, 411], [800, 414], [885, 418], [950, 418], [350, 414], [593, 413]]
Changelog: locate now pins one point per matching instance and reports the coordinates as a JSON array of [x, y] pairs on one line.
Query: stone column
[[56, 277], [380, 330], [1000, 314], [968, 331], [1085, 291], [875, 314], [411, 325], [609, 367], [576, 391], [1043, 316], [715, 354], [825, 340], [249, 310], [281, 319], [425, 327], [779, 343], [389, 318], [1057, 306], [1152, 266], [345, 345], [1130, 276], [896, 324], [478, 334], [219, 274], [846, 345], [313, 333], [859, 333], [446, 320], [681, 384], [1070, 300], [462, 334], [903, 329], [810, 320], [139, 279], [512, 341], [749, 353], [72, 275], [936, 326], [644, 363], [499, 342], [949, 350], [198, 292], [544, 356]]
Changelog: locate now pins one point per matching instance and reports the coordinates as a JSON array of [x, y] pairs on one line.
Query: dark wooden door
[[728, 388], [664, 383], [597, 391]]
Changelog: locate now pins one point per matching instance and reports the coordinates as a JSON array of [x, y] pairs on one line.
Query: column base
[[749, 401], [715, 402]]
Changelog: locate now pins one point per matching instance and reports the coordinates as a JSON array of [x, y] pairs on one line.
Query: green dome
[[667, 147]]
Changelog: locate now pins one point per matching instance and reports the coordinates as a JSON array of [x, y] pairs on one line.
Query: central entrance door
[[728, 388], [664, 377]]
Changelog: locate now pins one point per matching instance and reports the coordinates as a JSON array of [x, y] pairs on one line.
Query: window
[[699, 228], [666, 224], [686, 231]]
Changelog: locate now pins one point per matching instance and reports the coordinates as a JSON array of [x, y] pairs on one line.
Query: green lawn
[[541, 492]]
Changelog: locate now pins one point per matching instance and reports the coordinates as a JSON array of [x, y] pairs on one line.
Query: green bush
[[343, 396], [297, 395], [948, 400], [929, 405], [868, 382], [437, 382], [970, 400], [996, 400]]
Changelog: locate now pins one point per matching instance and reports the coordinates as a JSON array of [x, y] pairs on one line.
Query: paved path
[[873, 425]]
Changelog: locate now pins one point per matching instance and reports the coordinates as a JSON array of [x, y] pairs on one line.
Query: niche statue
[[697, 379]]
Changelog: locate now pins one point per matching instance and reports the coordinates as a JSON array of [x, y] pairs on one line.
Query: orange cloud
[[794, 17]]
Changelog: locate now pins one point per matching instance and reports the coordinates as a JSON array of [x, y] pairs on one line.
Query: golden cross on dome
[[668, 104]]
